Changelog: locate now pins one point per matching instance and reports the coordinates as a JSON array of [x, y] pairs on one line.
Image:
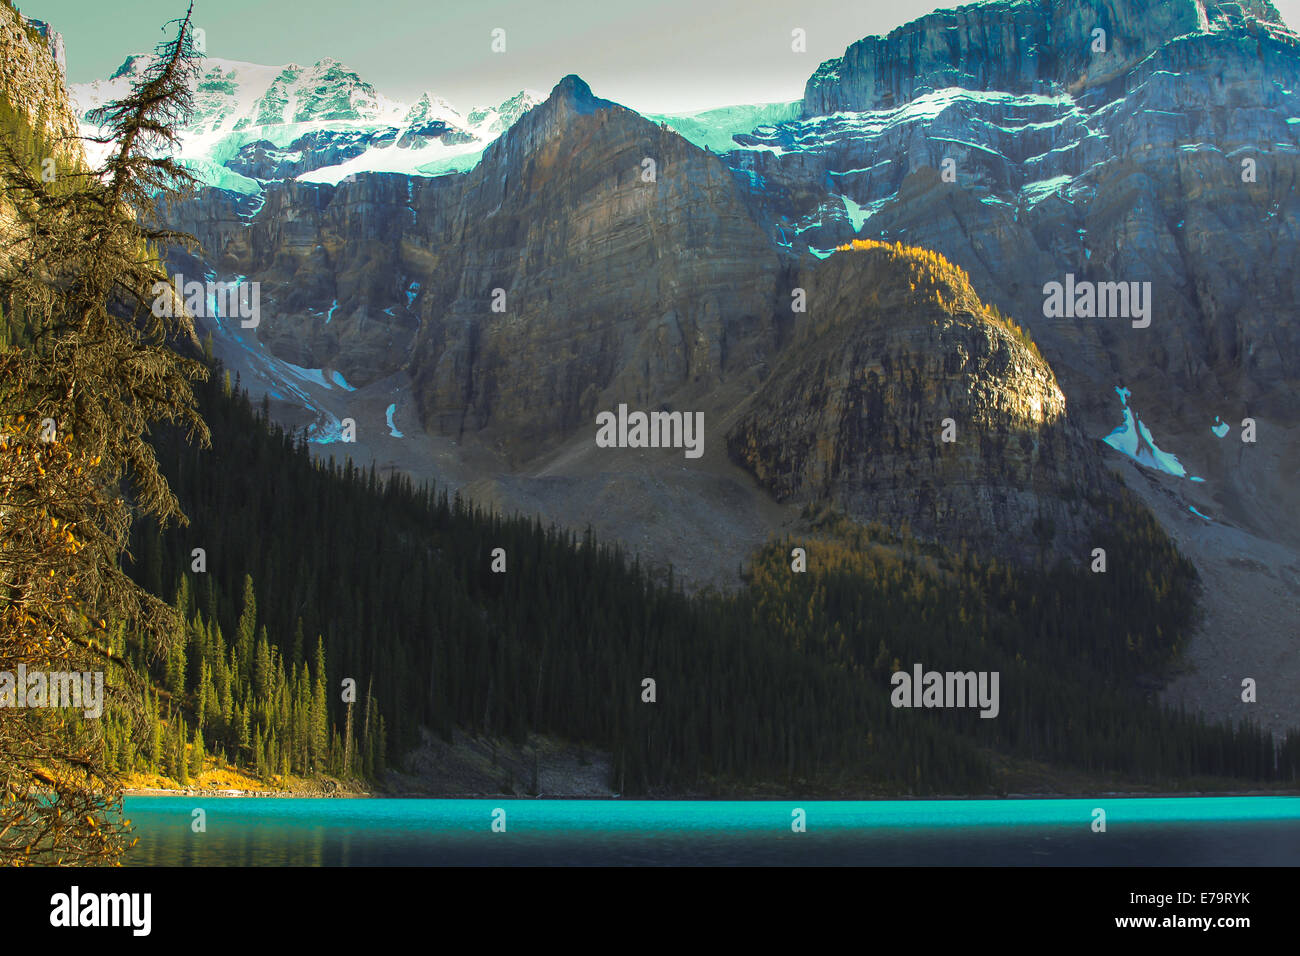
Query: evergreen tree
[[179, 759], [77, 400], [197, 755]]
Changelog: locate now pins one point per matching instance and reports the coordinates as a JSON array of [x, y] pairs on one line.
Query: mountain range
[[319, 123], [473, 289]]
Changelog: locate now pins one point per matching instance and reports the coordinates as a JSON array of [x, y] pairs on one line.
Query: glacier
[[715, 129]]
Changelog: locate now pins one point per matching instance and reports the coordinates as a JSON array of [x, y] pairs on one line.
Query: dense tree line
[[785, 682], [1079, 653], [244, 702]]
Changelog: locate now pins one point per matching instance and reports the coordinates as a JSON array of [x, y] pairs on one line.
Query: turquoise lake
[[1184, 831]]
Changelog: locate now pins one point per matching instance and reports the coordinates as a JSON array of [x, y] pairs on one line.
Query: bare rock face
[[896, 355], [31, 77], [53, 40], [339, 268], [593, 257], [999, 135], [33, 98], [1015, 47]]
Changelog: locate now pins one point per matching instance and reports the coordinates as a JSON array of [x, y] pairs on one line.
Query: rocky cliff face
[[904, 400], [629, 269], [1017, 47], [33, 98], [628, 264], [1008, 136], [998, 136], [53, 40], [31, 76], [594, 259], [339, 268]]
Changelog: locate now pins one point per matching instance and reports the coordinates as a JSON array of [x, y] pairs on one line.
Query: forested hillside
[[327, 616], [318, 573]]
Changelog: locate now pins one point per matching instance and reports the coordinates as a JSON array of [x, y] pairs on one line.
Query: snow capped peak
[[234, 95], [497, 119], [429, 108], [255, 123]]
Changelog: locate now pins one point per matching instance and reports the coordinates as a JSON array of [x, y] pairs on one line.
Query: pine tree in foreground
[[77, 400]]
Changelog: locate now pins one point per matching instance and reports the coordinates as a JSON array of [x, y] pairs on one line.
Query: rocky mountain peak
[[905, 398], [32, 78], [255, 123], [53, 40], [133, 65], [1018, 47], [574, 91], [570, 100], [430, 107]]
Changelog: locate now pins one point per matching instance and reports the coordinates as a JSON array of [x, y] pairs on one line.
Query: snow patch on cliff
[[1134, 439]]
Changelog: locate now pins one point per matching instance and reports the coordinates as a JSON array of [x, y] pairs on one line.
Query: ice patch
[[858, 214], [1134, 439], [968, 145], [313, 375], [392, 429], [330, 314], [325, 432], [432, 159], [1034, 193], [341, 382], [1219, 429], [1197, 513], [862, 169], [214, 174]]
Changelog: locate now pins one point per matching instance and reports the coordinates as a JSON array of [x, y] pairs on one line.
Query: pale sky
[[653, 55]]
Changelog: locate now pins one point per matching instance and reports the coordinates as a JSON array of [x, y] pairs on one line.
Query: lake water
[[1184, 831]]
